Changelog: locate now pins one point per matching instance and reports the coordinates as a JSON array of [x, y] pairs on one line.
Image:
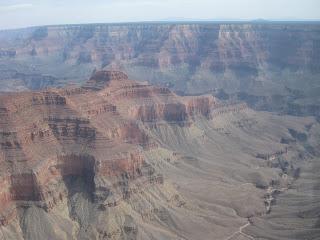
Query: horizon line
[[173, 21]]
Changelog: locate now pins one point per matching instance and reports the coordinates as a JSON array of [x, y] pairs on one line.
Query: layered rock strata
[[271, 66], [92, 132]]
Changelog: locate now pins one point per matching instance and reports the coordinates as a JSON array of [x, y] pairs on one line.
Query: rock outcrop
[[91, 132], [101, 79]]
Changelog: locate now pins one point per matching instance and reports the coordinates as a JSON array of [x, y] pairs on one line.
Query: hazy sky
[[20, 13]]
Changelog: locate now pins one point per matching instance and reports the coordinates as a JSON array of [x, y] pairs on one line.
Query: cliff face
[[273, 66], [214, 46], [89, 132], [122, 159]]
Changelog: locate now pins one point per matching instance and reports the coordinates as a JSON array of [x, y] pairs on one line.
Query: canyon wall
[[122, 159], [272, 66], [245, 47], [93, 132]]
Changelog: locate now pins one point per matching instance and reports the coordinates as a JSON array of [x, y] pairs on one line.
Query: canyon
[[140, 131], [271, 66], [117, 158]]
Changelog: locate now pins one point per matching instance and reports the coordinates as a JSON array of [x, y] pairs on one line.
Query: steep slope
[[120, 159], [271, 66]]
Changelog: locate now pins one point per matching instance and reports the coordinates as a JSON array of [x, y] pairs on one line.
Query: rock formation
[[90, 132], [271, 66], [112, 159]]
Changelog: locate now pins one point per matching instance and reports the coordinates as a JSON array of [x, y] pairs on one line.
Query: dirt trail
[[240, 232]]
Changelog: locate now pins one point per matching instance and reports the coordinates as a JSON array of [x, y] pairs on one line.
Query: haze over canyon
[[188, 131]]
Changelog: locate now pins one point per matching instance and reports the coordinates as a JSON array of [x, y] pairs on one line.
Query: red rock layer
[[92, 132]]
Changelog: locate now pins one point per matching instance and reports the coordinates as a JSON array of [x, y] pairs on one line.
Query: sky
[[23, 13]]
